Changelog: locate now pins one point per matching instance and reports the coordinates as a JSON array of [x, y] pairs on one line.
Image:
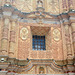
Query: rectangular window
[[38, 42]]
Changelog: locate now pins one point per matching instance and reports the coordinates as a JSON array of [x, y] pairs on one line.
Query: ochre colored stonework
[[51, 6], [20, 20], [53, 48], [24, 45]]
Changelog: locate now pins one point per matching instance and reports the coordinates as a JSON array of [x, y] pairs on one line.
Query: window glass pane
[[39, 46]]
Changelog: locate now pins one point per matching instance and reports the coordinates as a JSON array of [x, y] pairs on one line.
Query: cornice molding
[[13, 13]]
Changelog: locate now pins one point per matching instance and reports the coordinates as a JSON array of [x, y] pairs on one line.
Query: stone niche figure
[[40, 3], [41, 70]]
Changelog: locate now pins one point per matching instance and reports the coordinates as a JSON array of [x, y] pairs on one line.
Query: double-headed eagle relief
[[23, 5], [53, 6]]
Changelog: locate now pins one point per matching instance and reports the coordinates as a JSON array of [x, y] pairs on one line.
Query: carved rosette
[[56, 35], [24, 33]]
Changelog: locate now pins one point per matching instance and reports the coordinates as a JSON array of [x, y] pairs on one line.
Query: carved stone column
[[0, 33], [12, 40], [4, 40], [73, 35], [68, 44], [70, 68]]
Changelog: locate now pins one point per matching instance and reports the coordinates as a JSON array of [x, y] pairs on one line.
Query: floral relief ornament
[[24, 33]]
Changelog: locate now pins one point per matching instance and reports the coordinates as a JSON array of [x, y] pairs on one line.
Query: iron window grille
[[38, 42]]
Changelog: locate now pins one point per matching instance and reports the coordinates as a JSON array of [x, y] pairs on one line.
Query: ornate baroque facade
[[20, 20]]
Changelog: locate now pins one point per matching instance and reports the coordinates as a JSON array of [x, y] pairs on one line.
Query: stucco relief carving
[[24, 33], [40, 3], [23, 5], [53, 6], [56, 35]]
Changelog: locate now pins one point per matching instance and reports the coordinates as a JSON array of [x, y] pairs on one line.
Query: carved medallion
[[24, 33], [56, 35], [23, 5]]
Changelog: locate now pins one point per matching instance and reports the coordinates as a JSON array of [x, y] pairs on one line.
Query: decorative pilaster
[[5, 35], [69, 68], [73, 35], [0, 33], [12, 40], [68, 44]]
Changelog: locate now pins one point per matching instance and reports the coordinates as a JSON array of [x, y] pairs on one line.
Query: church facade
[[37, 37]]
